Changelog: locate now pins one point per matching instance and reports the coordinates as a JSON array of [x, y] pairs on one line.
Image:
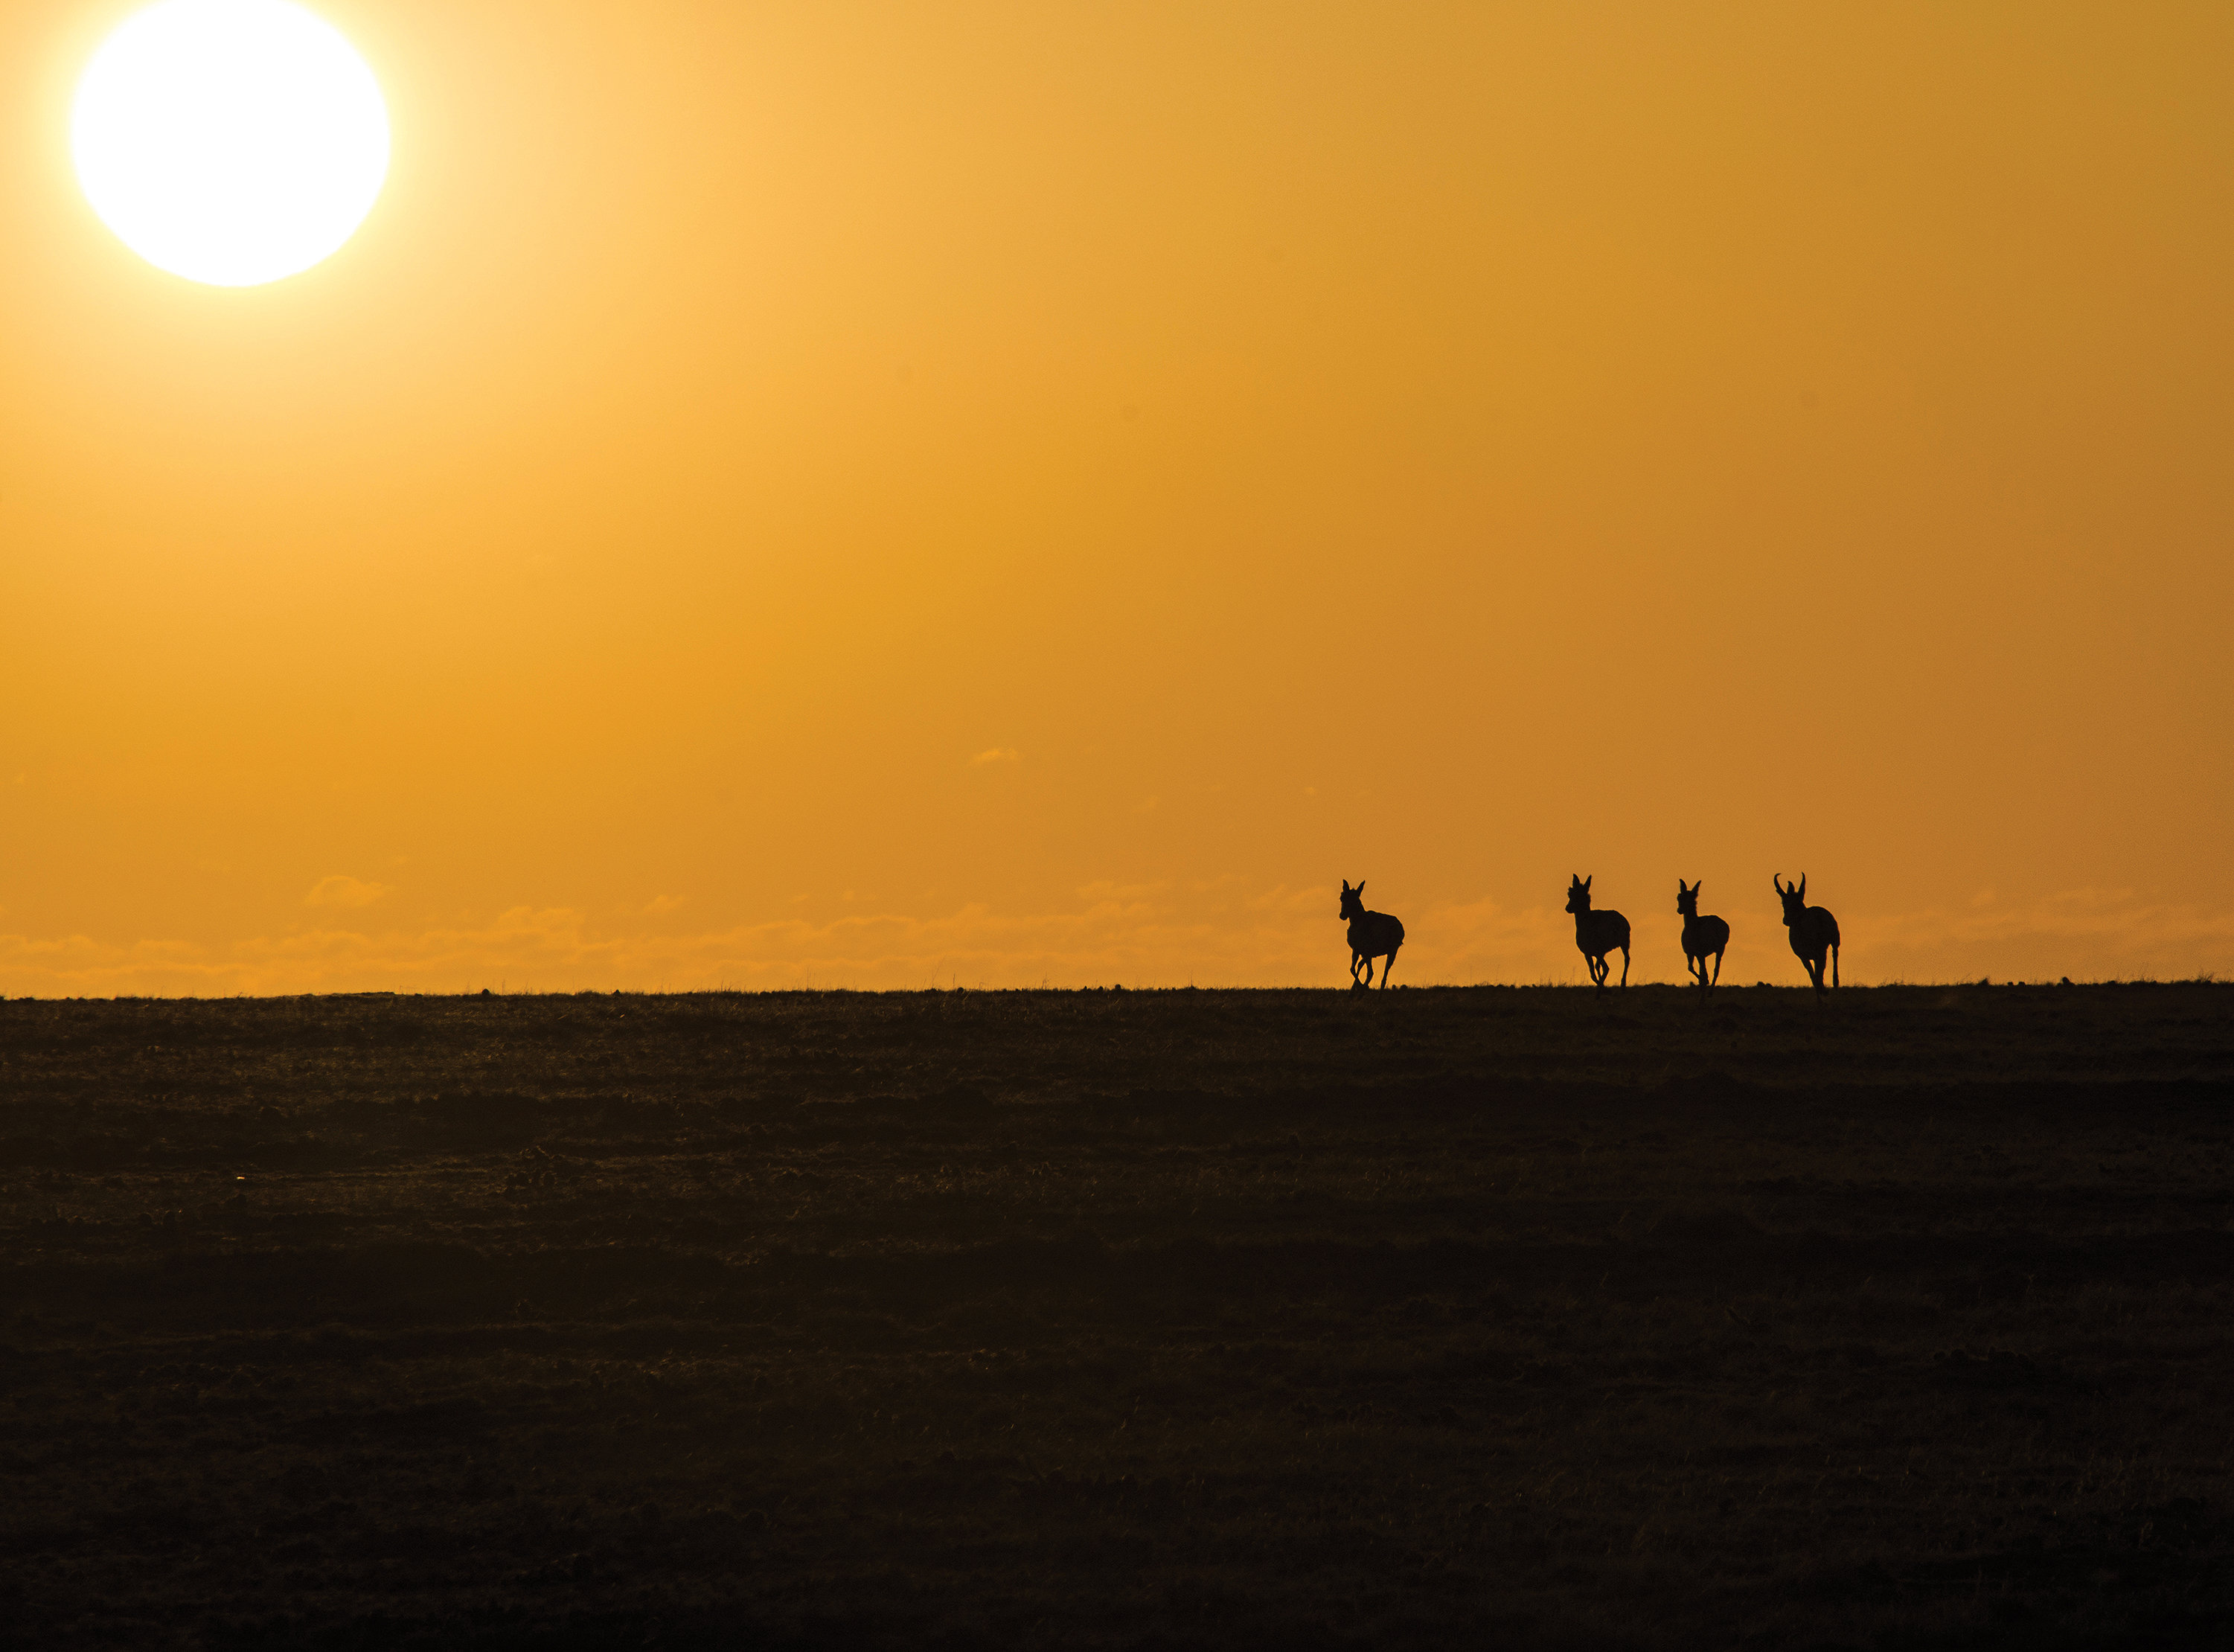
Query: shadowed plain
[[1121, 1319]]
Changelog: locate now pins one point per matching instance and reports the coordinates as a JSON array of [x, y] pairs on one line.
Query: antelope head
[[1578, 893], [1687, 900], [1353, 900], [1794, 895]]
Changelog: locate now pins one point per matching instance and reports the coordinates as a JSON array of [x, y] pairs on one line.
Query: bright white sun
[[229, 142]]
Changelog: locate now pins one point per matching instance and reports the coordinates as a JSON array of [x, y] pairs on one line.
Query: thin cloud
[[662, 904], [996, 754], [1284, 899], [1104, 890], [1139, 942], [2084, 933], [1140, 934], [339, 891]]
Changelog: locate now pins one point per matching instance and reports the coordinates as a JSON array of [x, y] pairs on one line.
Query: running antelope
[[1702, 937], [1372, 934], [1597, 933], [1814, 931]]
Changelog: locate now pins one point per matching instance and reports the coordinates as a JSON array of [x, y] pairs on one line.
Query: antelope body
[[1702, 937], [1372, 934], [1814, 931], [1597, 933]]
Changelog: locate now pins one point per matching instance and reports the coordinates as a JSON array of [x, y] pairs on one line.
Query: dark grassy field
[[1120, 1319]]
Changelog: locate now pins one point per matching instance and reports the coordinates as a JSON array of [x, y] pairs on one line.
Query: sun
[[233, 142]]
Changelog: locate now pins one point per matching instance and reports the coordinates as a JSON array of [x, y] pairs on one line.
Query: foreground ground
[[1116, 1319]]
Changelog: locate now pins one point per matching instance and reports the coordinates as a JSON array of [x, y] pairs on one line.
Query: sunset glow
[[814, 494]]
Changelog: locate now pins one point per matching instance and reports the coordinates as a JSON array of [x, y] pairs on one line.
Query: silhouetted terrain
[[1115, 1319]]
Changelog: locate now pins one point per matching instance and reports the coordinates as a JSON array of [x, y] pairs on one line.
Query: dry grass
[[1120, 1319]]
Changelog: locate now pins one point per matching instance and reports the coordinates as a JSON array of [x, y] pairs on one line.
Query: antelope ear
[[1587, 882], [1360, 885]]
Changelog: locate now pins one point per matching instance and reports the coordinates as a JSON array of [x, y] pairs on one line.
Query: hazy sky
[[886, 495]]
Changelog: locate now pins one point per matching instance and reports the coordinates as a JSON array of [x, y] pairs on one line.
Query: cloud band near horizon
[[1145, 936]]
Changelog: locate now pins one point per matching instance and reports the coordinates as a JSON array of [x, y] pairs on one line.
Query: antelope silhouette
[[1702, 937], [1597, 933], [1814, 931], [1372, 934]]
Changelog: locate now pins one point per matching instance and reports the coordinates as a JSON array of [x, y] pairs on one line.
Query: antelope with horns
[[1597, 933], [1702, 937], [1814, 931], [1372, 934]]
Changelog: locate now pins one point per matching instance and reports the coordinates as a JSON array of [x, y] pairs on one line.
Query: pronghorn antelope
[[1814, 931], [1702, 937], [1372, 934], [1597, 933]]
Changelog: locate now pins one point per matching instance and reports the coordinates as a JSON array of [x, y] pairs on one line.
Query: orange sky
[[879, 495]]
